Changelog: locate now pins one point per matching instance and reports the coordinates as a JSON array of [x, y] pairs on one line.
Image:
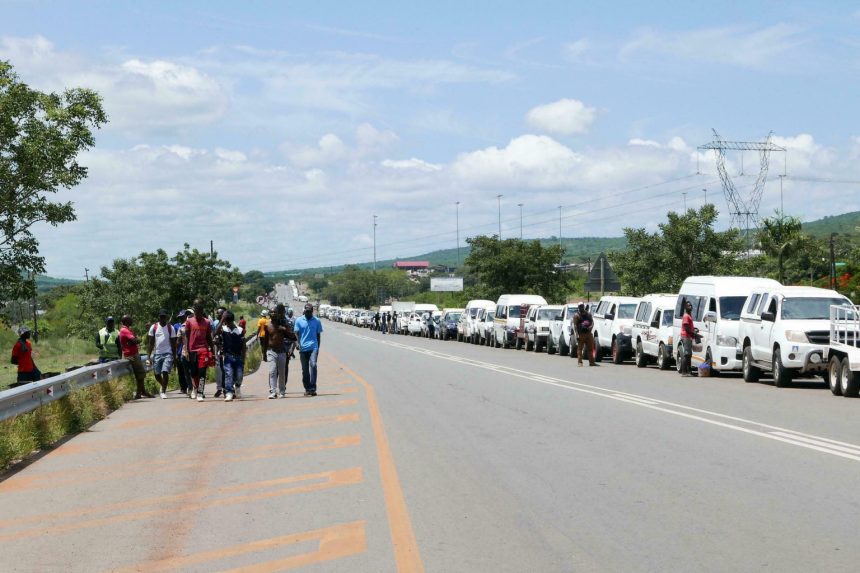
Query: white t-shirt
[[162, 335]]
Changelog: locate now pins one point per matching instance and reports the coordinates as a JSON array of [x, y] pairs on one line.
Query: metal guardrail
[[26, 398]]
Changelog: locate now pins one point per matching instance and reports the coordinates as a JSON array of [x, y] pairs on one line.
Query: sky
[[279, 129]]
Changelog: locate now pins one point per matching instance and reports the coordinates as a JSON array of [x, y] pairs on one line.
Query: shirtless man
[[278, 331]]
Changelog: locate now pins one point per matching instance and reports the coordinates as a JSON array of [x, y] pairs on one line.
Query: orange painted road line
[[335, 542], [121, 443], [406, 552], [55, 479], [329, 480]]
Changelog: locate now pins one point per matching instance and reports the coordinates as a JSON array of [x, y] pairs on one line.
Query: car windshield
[[668, 316], [547, 314], [731, 306], [453, 316], [626, 311], [513, 312], [809, 308], [490, 315]]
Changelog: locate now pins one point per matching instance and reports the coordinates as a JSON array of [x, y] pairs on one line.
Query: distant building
[[412, 266]]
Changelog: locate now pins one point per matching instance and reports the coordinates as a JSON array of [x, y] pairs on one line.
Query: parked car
[[613, 326], [448, 323], [561, 332], [543, 324], [529, 327], [415, 324], [786, 331], [721, 299], [652, 330], [485, 325], [467, 329], [509, 309]]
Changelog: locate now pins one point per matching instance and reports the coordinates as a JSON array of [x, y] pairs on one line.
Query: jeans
[[233, 372], [219, 373], [182, 373], [309, 369], [277, 371]]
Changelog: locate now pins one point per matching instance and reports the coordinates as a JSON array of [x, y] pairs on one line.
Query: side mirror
[[655, 324], [609, 316], [559, 317], [768, 316], [710, 316]]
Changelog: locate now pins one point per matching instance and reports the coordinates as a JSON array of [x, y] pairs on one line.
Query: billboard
[[448, 284]]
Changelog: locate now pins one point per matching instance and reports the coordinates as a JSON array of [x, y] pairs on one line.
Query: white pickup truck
[[843, 352], [786, 330]]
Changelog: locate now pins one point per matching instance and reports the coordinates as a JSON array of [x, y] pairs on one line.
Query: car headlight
[[727, 341], [796, 336]]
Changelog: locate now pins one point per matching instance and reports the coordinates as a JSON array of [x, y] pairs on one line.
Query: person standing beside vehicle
[[161, 347], [107, 341], [198, 349], [130, 345], [688, 333], [583, 324], [22, 356], [309, 333]]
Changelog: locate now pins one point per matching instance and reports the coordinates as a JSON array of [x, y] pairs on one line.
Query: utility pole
[[87, 274], [685, 201], [457, 204], [832, 262], [559, 225], [374, 243], [212, 249], [781, 206], [520, 205], [706, 196], [499, 199]]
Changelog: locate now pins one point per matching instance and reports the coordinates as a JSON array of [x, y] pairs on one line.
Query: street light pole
[[374, 243], [458, 233], [559, 225], [685, 202], [706, 196], [499, 199], [520, 205]]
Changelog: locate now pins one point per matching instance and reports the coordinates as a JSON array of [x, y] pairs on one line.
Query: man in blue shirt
[[308, 330]]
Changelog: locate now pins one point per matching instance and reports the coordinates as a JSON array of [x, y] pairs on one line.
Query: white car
[[468, 329], [485, 325], [613, 327], [510, 310], [544, 319], [786, 330], [561, 331], [415, 325], [652, 330]]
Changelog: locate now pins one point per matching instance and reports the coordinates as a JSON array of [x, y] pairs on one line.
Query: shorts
[[162, 363], [194, 367]]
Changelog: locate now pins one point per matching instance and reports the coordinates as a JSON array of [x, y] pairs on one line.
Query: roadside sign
[[602, 278], [446, 284]]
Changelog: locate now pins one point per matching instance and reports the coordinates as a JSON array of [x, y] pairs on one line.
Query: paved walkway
[[252, 485]]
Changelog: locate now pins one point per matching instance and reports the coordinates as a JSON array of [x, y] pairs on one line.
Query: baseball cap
[[163, 312], [23, 330]]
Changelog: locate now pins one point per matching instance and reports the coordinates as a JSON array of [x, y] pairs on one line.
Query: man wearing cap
[[22, 355], [261, 333], [107, 341], [181, 361], [161, 343], [278, 333], [309, 332], [130, 345]]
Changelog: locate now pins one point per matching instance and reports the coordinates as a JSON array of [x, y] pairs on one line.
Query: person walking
[[278, 331], [384, 323], [181, 362], [583, 323], [243, 324], [376, 319], [161, 347], [291, 344], [261, 332], [22, 356], [198, 349], [393, 323], [688, 333], [219, 362], [233, 351], [130, 345], [107, 341], [309, 333]]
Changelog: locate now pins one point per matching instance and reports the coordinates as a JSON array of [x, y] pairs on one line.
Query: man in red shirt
[[198, 348], [688, 333], [22, 355], [130, 346]]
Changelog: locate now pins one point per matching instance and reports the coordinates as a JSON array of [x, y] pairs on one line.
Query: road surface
[[441, 456]]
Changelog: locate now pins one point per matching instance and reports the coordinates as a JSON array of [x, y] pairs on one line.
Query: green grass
[[50, 355]]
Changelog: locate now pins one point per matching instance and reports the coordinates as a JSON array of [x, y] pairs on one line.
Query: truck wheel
[[550, 348], [751, 373], [597, 351], [641, 359], [709, 358], [834, 371], [563, 350], [530, 346], [781, 375], [616, 353], [849, 381], [574, 349], [662, 360]]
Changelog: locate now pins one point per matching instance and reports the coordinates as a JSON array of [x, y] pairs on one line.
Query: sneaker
[[163, 396], [238, 392], [200, 397], [272, 396], [218, 393], [194, 394], [228, 397], [283, 394]]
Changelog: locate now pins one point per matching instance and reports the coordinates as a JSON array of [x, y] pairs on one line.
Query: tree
[[685, 245], [515, 266], [41, 135], [778, 237]]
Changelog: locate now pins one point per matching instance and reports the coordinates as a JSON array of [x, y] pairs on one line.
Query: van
[[467, 329], [717, 305], [545, 322], [510, 308], [786, 331], [653, 341], [613, 326]]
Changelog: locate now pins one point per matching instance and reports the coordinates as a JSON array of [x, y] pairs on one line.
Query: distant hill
[[845, 224], [45, 283]]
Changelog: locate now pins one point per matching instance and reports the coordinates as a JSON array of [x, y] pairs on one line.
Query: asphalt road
[[442, 456]]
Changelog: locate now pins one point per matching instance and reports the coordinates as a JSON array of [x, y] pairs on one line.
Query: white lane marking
[[784, 435]]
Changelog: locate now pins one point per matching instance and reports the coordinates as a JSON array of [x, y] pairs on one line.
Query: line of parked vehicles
[[744, 324]]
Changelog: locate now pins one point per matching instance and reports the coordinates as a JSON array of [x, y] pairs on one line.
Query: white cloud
[[574, 51], [414, 163], [330, 149], [738, 46], [563, 117]]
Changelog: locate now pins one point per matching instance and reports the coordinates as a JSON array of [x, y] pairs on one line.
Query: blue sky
[[309, 118]]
